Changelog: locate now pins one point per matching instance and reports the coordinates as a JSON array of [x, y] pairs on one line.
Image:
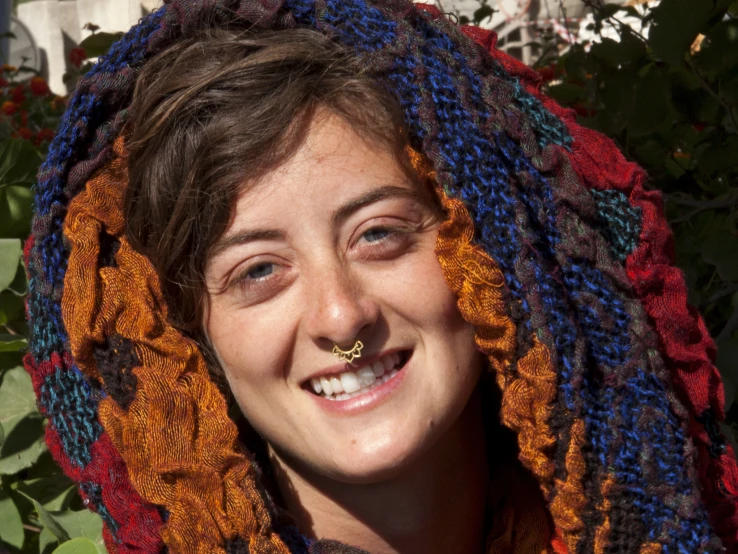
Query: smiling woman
[[437, 301]]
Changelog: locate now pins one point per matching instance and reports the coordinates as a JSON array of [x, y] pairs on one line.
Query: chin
[[370, 462]]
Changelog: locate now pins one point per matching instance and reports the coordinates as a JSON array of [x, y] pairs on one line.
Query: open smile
[[362, 382]]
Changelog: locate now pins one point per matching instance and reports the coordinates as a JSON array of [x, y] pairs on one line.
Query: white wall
[[56, 26]]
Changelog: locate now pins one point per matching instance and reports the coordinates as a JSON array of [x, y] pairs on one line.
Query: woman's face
[[337, 245]]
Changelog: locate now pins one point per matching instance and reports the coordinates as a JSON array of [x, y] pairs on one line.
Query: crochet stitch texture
[[558, 254]]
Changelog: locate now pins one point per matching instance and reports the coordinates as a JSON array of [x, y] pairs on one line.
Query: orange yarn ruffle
[[179, 445], [528, 399]]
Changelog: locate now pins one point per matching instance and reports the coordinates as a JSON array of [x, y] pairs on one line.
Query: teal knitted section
[[618, 221]]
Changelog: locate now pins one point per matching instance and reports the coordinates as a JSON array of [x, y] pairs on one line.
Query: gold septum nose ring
[[348, 356]]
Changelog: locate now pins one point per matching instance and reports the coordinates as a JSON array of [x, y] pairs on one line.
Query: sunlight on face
[[334, 246]]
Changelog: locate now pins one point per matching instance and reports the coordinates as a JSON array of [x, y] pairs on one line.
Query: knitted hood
[[560, 258]]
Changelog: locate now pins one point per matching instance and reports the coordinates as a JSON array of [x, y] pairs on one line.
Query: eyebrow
[[338, 217], [353, 206]]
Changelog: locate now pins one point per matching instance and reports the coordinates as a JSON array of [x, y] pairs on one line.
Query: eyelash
[[391, 234]]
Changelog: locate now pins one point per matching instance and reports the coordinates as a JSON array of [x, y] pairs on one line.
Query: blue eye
[[375, 235], [260, 271]]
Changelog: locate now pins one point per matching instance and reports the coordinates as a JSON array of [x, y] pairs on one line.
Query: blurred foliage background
[[666, 92]]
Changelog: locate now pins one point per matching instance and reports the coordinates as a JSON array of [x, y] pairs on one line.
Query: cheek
[[429, 300], [248, 360]]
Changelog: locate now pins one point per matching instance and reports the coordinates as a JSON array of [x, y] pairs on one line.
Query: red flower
[[9, 108], [77, 56], [3, 82], [25, 133], [18, 95], [39, 86], [24, 117], [44, 135]]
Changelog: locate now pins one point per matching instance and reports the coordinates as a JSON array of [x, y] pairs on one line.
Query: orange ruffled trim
[[179, 445], [528, 400]]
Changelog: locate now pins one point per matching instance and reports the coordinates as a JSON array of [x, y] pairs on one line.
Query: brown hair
[[218, 111]]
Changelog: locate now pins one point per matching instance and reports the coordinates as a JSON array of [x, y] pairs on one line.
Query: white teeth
[[353, 383], [378, 368], [350, 382], [326, 384], [337, 385], [366, 376]]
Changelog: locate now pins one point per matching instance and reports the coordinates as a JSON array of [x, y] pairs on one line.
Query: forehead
[[333, 164]]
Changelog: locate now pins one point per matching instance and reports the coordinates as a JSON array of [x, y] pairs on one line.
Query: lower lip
[[364, 402]]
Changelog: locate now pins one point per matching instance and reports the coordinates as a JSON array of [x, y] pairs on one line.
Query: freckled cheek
[[248, 359], [431, 297]]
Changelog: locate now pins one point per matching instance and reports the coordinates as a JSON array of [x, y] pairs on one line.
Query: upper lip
[[358, 364]]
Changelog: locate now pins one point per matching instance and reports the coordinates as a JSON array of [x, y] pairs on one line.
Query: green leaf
[[11, 525], [16, 209], [608, 10], [565, 93], [720, 156], [617, 99], [610, 52], [675, 26], [11, 307], [19, 162], [99, 43], [47, 520], [12, 343], [727, 362], [54, 492], [718, 250], [77, 546], [10, 254], [23, 424], [47, 542], [652, 106], [83, 523]]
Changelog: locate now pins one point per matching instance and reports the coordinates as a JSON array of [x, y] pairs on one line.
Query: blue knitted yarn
[[642, 398], [360, 25], [67, 399]]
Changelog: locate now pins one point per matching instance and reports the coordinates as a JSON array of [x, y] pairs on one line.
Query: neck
[[436, 505]]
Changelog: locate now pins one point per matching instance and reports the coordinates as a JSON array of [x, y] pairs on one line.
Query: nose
[[338, 307]]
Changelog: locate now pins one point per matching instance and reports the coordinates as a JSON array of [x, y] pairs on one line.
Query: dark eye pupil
[[374, 235], [261, 270]]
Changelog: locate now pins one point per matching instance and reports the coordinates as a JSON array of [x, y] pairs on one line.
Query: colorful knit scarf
[[560, 258]]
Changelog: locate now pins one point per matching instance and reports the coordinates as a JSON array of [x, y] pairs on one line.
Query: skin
[[297, 272]]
